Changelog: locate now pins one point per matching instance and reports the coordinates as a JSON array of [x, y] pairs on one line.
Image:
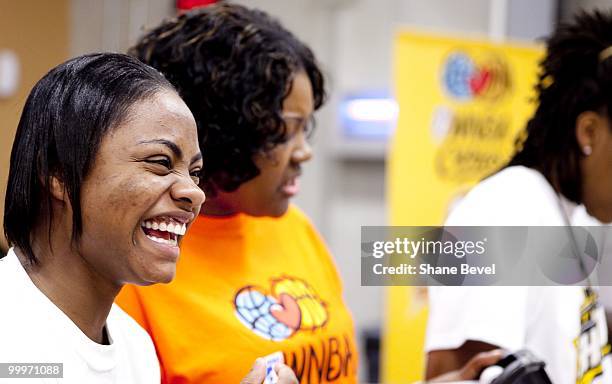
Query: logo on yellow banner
[[476, 76]]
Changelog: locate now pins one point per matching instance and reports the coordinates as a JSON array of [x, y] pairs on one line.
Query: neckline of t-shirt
[[98, 357], [231, 225]]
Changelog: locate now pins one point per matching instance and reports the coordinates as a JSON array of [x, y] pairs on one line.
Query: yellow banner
[[462, 104]]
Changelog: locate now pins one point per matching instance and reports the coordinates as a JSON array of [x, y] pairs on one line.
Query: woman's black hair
[[64, 119], [573, 79], [233, 66]]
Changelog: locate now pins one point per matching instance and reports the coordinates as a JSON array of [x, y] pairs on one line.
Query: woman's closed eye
[[196, 174], [163, 161]]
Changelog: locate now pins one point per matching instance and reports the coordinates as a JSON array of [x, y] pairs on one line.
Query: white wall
[[113, 25], [570, 7]]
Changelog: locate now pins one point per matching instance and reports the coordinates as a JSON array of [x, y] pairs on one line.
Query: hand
[[471, 370], [258, 374], [285, 374]]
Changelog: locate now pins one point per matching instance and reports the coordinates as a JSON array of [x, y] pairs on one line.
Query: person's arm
[[463, 363]]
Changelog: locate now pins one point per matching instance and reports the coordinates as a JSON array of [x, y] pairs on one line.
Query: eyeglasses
[[296, 123]]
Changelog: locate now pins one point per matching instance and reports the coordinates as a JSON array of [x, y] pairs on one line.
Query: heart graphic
[[480, 81], [287, 311]]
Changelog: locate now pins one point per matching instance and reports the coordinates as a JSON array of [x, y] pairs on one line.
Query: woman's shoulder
[[297, 215], [513, 196], [516, 181], [300, 223]]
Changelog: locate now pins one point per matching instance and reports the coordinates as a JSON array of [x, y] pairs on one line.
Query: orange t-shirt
[[246, 287]]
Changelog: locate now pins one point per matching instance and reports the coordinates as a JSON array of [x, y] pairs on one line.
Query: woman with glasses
[[254, 276]]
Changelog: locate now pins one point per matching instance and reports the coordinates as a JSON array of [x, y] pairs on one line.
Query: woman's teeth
[[153, 229], [176, 228], [172, 241]]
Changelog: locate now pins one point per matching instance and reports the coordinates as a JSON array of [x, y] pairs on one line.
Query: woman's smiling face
[[142, 193]]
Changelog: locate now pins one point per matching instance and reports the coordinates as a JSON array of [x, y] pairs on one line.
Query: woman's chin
[[277, 210], [161, 275]]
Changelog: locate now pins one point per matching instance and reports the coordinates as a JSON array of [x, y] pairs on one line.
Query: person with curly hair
[[254, 276], [561, 174]]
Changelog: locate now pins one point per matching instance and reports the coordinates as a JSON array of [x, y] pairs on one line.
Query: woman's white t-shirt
[[545, 320], [34, 330]]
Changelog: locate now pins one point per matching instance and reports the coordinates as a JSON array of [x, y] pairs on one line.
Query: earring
[[587, 150]]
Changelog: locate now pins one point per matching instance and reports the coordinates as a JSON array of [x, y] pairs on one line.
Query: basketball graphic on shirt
[[253, 310], [292, 306]]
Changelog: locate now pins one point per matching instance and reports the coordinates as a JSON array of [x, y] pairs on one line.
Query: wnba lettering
[[326, 361]]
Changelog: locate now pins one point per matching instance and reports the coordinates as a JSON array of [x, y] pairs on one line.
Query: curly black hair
[[233, 66], [573, 79]]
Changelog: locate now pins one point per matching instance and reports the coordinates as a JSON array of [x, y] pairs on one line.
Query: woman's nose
[[302, 152], [188, 192]]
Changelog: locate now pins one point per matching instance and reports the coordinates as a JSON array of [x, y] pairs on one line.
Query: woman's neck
[[216, 207], [595, 194], [72, 284], [598, 207]]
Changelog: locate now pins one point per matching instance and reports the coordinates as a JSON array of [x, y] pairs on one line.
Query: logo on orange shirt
[[292, 306]]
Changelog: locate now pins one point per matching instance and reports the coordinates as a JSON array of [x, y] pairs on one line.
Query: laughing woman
[[105, 148]]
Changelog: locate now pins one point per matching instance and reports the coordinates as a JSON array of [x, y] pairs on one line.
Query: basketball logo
[[291, 306]]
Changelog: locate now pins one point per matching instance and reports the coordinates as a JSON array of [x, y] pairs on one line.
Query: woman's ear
[[57, 188], [589, 126]]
